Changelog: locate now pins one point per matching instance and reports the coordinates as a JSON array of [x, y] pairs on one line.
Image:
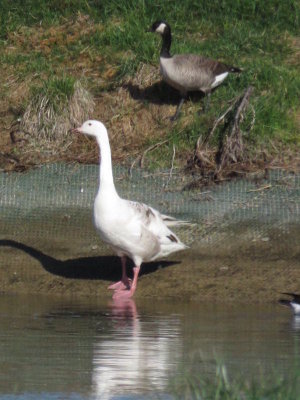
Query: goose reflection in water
[[296, 323], [138, 355]]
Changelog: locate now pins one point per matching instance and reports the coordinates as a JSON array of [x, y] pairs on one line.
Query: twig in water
[[172, 166], [261, 188]]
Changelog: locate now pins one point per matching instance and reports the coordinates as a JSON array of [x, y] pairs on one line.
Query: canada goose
[[132, 229], [188, 72], [294, 303]]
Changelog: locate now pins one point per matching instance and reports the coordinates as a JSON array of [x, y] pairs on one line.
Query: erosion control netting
[[54, 202]]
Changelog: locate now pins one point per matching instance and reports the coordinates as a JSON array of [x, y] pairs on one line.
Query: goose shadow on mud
[[160, 93], [105, 268]]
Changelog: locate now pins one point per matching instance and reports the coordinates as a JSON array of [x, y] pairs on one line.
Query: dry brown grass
[[132, 115], [294, 58], [46, 127], [38, 39], [43, 39]]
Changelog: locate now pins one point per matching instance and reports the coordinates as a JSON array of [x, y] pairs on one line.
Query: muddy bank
[[245, 245], [232, 264]]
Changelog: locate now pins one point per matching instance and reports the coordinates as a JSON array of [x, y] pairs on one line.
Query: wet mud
[[232, 264]]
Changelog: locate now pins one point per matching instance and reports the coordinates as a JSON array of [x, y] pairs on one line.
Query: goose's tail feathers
[[170, 221], [235, 69]]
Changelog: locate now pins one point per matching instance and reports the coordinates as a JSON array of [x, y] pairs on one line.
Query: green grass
[[252, 34], [275, 387], [57, 90]]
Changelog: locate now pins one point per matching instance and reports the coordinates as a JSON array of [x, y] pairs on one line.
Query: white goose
[[132, 229]]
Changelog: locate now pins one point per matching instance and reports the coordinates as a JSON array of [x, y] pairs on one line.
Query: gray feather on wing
[[146, 213], [197, 72]]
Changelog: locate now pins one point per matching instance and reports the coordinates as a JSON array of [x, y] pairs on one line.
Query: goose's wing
[[140, 232], [197, 72], [149, 217], [155, 222], [195, 62]]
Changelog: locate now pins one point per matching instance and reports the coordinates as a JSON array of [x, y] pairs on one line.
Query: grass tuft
[[56, 92], [56, 106], [276, 387]]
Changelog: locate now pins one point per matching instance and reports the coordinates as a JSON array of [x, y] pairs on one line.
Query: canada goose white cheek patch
[[219, 79], [161, 28]]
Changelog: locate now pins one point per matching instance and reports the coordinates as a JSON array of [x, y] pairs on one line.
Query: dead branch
[[217, 122], [141, 158], [154, 146], [231, 148], [253, 118], [231, 152], [268, 186]]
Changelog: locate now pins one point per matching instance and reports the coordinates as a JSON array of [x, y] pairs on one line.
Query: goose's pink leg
[[127, 293], [125, 282]]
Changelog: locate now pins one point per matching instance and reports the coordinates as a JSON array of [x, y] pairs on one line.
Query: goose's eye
[[90, 124]]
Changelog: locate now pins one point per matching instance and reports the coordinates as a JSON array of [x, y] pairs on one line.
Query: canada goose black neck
[[164, 29], [166, 43]]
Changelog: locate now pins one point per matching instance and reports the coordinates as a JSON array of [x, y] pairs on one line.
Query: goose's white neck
[[107, 186]]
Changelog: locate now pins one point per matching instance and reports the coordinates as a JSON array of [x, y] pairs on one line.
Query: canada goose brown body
[[188, 72]]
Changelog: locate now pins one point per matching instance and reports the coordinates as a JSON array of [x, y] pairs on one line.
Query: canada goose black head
[[164, 29], [161, 27]]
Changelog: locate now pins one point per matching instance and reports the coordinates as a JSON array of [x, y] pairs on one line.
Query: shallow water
[[57, 348]]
